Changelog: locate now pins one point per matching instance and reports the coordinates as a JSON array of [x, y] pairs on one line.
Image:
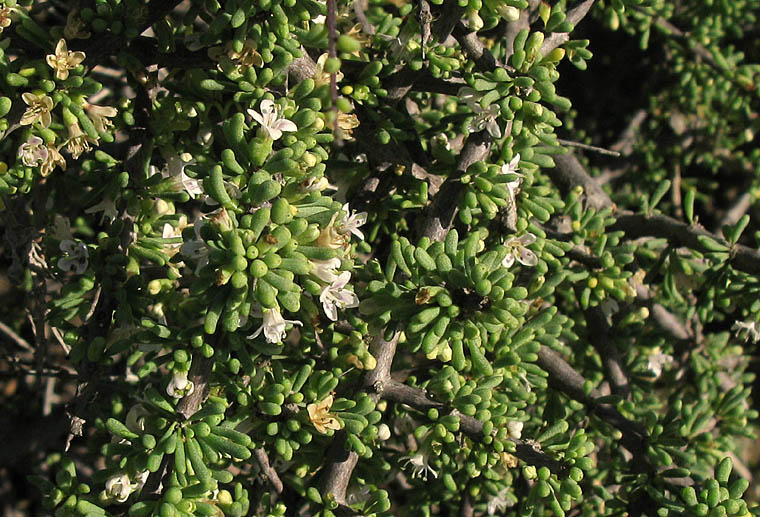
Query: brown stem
[[574, 16], [441, 212], [568, 173], [338, 469], [263, 460]]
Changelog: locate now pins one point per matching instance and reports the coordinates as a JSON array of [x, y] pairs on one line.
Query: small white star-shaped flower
[[270, 121], [518, 250], [748, 328], [274, 326], [77, 256], [351, 223], [335, 296]]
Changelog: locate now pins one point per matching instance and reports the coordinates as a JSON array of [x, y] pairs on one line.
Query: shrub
[[291, 257]]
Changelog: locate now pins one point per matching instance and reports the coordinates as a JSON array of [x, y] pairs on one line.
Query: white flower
[[326, 270], [106, 206], [515, 429], [314, 184], [274, 326], [656, 361], [748, 328], [77, 256], [118, 487], [270, 120], [335, 296], [499, 502], [486, 119], [179, 386], [135, 420], [33, 152], [351, 223], [512, 167], [517, 250], [420, 465], [196, 249], [175, 168]]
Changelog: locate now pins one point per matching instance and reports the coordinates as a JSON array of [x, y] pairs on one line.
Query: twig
[[564, 378], [574, 16], [696, 47], [444, 207], [569, 173], [12, 336], [417, 398], [263, 460], [600, 150], [338, 469], [625, 143], [475, 49], [466, 510], [736, 211], [679, 233], [199, 376], [600, 336]]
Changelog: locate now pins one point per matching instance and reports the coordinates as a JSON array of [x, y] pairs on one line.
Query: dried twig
[[263, 460], [579, 145]]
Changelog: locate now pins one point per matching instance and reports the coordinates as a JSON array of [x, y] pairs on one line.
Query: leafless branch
[[579, 145], [263, 460]]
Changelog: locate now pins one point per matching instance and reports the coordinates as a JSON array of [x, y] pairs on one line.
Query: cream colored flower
[[249, 56], [54, 157], [179, 386], [38, 110], [515, 428], [320, 418], [64, 60], [347, 122], [100, 115], [119, 487], [320, 76], [78, 141], [5, 17]]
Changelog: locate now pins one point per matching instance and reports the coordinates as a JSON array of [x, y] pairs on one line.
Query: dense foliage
[[379, 257]]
